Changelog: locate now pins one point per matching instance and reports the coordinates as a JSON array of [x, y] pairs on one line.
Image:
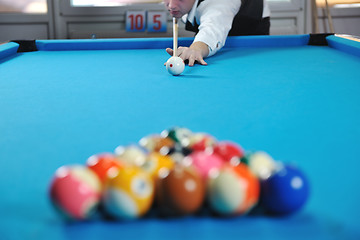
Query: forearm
[[215, 19]]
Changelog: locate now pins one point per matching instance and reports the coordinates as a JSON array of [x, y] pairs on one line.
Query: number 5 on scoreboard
[[156, 21], [135, 21]]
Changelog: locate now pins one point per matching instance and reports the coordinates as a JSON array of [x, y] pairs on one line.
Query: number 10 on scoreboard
[[137, 21]]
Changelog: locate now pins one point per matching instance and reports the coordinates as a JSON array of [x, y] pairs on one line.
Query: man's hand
[[195, 53]]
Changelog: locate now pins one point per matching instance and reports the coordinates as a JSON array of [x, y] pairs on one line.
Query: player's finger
[[170, 51], [183, 54], [191, 61], [181, 51], [202, 61]]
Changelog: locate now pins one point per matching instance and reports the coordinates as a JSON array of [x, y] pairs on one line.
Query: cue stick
[[331, 25], [314, 16], [175, 36]]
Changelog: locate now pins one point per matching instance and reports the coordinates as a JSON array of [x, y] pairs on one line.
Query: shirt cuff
[[213, 47]]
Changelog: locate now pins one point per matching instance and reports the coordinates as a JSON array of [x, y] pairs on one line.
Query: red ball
[[229, 151], [75, 191]]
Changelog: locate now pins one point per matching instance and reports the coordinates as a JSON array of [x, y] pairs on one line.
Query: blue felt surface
[[301, 105]]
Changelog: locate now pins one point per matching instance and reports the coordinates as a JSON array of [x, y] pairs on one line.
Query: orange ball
[[252, 189], [233, 190], [101, 164]]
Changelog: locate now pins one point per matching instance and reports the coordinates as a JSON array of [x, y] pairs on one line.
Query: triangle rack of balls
[[176, 173]]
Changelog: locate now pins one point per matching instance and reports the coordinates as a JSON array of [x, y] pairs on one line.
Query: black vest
[[250, 14]]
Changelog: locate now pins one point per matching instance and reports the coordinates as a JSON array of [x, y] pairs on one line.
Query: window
[[23, 6], [108, 3], [321, 3]]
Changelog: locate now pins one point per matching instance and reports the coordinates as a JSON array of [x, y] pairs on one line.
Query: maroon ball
[[180, 191]]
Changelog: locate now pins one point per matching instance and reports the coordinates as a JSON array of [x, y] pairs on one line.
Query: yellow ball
[[155, 162], [129, 193]]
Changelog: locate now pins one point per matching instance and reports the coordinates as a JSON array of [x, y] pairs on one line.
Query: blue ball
[[285, 192]]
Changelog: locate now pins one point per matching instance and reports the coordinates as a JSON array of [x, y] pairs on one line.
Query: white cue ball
[[175, 65]]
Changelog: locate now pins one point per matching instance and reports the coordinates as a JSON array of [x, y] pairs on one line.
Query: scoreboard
[[150, 21]]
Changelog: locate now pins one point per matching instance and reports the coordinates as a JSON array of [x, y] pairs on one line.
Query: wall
[[64, 22]]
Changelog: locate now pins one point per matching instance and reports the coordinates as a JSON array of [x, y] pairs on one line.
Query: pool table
[[295, 97]]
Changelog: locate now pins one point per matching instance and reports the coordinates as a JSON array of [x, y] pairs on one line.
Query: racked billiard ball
[[102, 163], [202, 141], [156, 162], [75, 192], [131, 155], [229, 151], [284, 192], [154, 143], [261, 164], [180, 191], [128, 193], [180, 135], [234, 190], [205, 162], [176, 153]]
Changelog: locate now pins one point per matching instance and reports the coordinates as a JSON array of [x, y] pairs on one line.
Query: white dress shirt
[[215, 18]]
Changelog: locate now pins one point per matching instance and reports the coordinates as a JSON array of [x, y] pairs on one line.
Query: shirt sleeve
[[215, 20]]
